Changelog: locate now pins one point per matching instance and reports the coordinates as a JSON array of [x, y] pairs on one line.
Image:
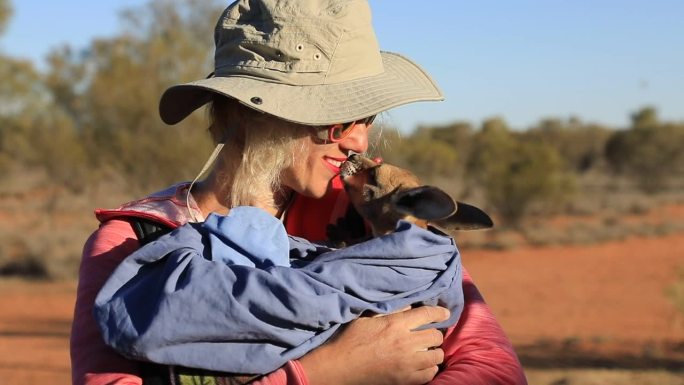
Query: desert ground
[[582, 314]]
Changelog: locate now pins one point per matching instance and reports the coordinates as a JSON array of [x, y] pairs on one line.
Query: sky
[[522, 60]]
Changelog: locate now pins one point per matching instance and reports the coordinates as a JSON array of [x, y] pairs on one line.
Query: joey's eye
[[373, 174], [370, 192], [367, 192]]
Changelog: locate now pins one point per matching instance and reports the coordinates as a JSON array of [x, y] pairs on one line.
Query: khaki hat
[[313, 62]]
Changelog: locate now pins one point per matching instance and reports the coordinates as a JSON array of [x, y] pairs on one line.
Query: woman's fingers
[[429, 358], [422, 315], [386, 349], [423, 376], [429, 366], [426, 339]]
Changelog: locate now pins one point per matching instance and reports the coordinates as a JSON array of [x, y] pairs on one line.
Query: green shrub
[[515, 173], [675, 292], [649, 153]]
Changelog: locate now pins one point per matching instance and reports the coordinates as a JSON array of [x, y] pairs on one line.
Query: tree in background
[[110, 92], [647, 117], [649, 152], [33, 133], [5, 14], [581, 146], [94, 111], [437, 154], [7, 110], [516, 173], [18, 101]]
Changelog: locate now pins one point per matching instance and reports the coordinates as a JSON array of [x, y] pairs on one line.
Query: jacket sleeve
[[292, 373], [93, 362], [476, 350]]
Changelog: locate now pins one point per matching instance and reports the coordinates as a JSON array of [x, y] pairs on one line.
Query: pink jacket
[[476, 350]]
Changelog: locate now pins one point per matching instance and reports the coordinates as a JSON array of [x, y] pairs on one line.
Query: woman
[[238, 281], [295, 65]]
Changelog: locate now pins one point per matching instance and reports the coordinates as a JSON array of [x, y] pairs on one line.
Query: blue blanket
[[237, 294]]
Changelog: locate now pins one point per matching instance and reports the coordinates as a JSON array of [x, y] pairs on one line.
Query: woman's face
[[317, 163]]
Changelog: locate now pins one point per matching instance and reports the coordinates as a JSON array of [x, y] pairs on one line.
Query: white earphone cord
[[207, 164]]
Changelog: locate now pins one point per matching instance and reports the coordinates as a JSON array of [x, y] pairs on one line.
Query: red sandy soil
[[609, 296], [609, 291], [34, 332]]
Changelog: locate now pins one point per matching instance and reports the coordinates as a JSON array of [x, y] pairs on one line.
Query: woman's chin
[[317, 191]]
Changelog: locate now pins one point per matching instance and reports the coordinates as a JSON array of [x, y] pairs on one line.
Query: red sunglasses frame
[[338, 132]]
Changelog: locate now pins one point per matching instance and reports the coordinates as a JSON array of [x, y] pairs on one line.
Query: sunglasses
[[338, 132]]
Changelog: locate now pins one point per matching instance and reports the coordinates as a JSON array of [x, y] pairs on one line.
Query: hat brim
[[402, 82]]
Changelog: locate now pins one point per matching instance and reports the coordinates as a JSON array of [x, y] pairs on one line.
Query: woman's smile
[[334, 164]]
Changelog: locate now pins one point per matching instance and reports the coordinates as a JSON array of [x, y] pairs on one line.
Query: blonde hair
[[258, 147]]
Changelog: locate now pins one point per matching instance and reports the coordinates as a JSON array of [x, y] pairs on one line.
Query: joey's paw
[[337, 236]]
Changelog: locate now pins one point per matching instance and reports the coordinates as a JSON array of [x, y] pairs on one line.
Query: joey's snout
[[354, 164], [357, 174]]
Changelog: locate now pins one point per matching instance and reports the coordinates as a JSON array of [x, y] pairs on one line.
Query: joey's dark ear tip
[[473, 217], [488, 223]]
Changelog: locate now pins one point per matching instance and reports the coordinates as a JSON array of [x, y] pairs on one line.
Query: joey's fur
[[383, 194]]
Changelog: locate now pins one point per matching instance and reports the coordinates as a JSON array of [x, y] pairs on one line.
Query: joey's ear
[[466, 217], [424, 202]]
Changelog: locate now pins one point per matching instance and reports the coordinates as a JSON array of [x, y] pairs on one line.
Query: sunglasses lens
[[341, 132]]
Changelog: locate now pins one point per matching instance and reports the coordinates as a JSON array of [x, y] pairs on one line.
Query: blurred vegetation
[[93, 112], [86, 126], [675, 292], [650, 152], [548, 168]]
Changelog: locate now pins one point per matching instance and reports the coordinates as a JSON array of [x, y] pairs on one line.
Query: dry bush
[[675, 292], [650, 152], [44, 226], [516, 174]]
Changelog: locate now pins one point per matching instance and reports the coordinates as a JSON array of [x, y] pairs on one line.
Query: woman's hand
[[380, 350]]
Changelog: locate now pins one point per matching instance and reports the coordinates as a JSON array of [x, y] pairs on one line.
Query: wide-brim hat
[[313, 62]]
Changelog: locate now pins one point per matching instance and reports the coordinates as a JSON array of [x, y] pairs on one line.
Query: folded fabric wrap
[[237, 294]]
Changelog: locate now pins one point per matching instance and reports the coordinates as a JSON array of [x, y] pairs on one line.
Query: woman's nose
[[357, 140]]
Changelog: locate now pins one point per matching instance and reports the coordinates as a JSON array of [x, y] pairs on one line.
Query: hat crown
[[297, 42]]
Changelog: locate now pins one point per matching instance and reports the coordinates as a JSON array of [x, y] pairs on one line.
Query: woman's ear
[[424, 202]]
